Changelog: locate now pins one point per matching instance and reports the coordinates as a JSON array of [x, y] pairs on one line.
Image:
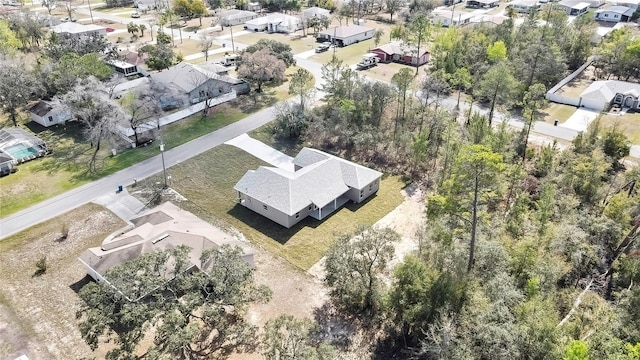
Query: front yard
[[628, 123], [207, 182]]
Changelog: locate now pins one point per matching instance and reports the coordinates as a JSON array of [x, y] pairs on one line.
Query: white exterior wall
[[354, 194], [593, 104], [56, 118], [253, 27], [358, 37], [608, 16]]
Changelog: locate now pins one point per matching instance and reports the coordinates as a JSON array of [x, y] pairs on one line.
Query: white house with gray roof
[[236, 17], [602, 94], [614, 14], [320, 184]]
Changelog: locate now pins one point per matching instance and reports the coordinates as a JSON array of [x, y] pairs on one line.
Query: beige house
[[320, 184], [161, 228]]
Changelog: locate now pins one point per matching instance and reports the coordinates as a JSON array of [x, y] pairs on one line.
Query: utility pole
[[164, 168]]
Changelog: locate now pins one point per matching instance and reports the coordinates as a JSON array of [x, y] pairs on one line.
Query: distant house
[[236, 17], [600, 95], [447, 18], [161, 228], [253, 6], [614, 14], [346, 35], [451, 2], [320, 184], [47, 114], [397, 52], [315, 12], [574, 7], [199, 84], [480, 4], [275, 23], [75, 30], [632, 4], [524, 6], [21, 145]]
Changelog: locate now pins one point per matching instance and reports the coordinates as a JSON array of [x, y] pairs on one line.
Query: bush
[[41, 266]]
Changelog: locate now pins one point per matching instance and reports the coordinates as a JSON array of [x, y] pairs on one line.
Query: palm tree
[[142, 28]]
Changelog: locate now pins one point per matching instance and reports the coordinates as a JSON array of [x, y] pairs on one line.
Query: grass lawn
[[628, 123], [66, 167], [207, 182], [384, 72], [557, 111], [42, 308]]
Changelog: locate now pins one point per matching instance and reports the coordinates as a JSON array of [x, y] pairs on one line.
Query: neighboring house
[[482, 4], [275, 23], [524, 6], [346, 35], [73, 29], [236, 17], [6, 164], [315, 12], [451, 2], [320, 184], [446, 17], [21, 145], [632, 4], [215, 68], [161, 228], [614, 14], [199, 84], [600, 95], [47, 114], [398, 52], [594, 4], [123, 68], [574, 7]]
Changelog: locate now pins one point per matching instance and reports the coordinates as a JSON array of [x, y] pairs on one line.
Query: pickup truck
[[323, 47]]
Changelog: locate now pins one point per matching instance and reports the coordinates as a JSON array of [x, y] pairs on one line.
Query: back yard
[[207, 182]]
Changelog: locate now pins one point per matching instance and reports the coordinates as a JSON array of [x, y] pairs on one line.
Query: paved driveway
[[263, 152], [581, 119]]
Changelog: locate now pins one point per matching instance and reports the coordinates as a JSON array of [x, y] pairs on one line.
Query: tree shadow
[[333, 327], [257, 101]]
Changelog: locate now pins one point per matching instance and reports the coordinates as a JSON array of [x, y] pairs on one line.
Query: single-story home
[[614, 14], [47, 114], [632, 4], [524, 6], [199, 84], [253, 6], [275, 23], [315, 12], [600, 95], [482, 4], [346, 35], [319, 185], [573, 7], [236, 17], [74, 29], [398, 52], [446, 17], [161, 228]]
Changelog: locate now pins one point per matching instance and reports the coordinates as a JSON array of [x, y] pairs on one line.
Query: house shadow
[[280, 233], [78, 285]]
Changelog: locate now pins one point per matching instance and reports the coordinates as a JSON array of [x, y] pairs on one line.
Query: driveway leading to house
[[263, 152], [580, 120]]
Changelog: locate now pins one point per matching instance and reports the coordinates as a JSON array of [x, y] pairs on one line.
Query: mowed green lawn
[[207, 182], [66, 168]]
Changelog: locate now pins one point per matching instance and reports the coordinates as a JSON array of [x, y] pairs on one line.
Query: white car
[[135, 15]]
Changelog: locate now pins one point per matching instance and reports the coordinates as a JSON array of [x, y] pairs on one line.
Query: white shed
[[47, 114]]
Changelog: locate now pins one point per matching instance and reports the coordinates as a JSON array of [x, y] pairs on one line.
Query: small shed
[[48, 114], [123, 68]]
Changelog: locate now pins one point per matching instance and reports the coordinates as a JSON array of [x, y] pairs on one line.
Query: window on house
[[265, 207], [310, 207], [370, 187], [615, 16], [606, 15], [297, 215], [361, 193], [50, 118]]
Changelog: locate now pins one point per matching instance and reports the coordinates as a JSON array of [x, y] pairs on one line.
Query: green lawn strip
[[66, 167], [555, 111], [628, 123], [207, 182]]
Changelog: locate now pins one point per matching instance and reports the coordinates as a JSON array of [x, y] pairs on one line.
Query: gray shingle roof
[[322, 178], [345, 31], [188, 76], [41, 108], [607, 89]]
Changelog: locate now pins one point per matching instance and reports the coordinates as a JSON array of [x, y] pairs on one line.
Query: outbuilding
[[47, 114], [346, 35]]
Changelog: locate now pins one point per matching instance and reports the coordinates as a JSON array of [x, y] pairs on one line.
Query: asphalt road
[[86, 193]]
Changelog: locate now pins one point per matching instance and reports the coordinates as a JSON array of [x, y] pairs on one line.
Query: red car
[[110, 29]]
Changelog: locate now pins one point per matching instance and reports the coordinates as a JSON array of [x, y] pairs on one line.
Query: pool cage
[[21, 145]]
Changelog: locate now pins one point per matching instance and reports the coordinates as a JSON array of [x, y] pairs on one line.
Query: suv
[[323, 47], [135, 15]]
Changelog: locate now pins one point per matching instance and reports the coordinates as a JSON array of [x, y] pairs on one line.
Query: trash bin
[[555, 122], [119, 188]]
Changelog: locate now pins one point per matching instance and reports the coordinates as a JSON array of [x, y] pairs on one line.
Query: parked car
[[110, 29], [135, 15], [323, 47]]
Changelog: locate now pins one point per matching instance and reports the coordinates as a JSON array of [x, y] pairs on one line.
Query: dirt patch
[[37, 313], [579, 84]]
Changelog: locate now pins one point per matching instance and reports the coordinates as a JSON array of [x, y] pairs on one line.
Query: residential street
[[87, 193]]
